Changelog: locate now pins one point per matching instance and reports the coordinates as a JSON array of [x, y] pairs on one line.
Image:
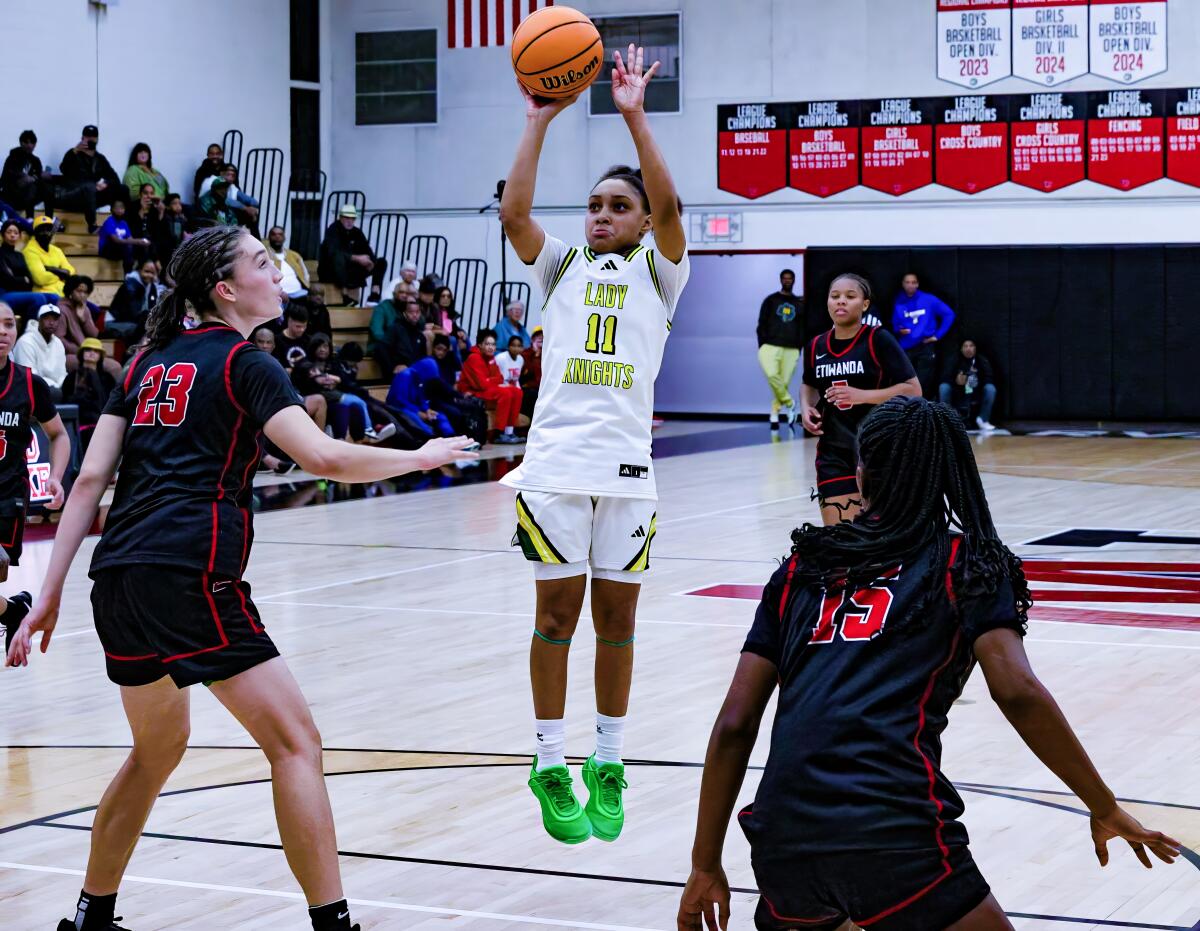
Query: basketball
[[557, 52]]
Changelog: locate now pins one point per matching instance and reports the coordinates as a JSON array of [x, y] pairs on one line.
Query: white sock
[[551, 742], [610, 735], [508, 430], [774, 416]]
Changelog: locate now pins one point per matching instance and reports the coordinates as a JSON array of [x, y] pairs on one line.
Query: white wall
[[172, 73]]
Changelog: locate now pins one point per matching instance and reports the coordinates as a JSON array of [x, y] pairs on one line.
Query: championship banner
[[37, 461], [1125, 138], [974, 41], [1183, 135], [1128, 40], [752, 148], [1047, 132], [1050, 40], [897, 144], [823, 147], [972, 143]]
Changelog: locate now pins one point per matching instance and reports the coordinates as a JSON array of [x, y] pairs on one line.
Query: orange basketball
[[557, 52]]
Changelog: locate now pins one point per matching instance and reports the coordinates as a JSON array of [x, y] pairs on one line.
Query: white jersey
[[605, 322]]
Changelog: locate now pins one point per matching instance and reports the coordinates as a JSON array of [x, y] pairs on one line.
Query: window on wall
[[305, 27], [395, 77], [658, 34]]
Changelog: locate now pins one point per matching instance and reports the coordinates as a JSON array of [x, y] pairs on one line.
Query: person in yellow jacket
[[48, 265]]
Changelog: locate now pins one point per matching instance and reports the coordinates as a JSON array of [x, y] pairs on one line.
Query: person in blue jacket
[[919, 321], [407, 399]]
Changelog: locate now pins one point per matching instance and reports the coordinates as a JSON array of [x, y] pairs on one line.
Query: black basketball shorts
[[12, 528], [157, 621], [837, 470], [904, 890]]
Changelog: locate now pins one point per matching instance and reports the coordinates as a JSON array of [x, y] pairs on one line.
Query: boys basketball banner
[[1128, 40], [824, 147], [1050, 40], [974, 41]]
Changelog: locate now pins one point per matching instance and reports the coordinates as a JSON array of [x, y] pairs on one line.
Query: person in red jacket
[[481, 378]]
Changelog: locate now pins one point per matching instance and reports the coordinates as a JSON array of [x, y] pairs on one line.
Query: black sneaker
[[68, 925], [18, 606]]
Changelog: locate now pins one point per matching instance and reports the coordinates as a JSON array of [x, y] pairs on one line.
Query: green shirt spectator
[[141, 171]]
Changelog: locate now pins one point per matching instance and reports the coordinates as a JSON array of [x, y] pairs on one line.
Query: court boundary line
[[382, 575]]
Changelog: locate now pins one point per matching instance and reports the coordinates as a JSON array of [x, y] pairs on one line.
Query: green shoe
[[605, 810], [562, 815]]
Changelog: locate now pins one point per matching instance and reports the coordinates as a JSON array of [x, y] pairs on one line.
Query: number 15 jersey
[[605, 319]]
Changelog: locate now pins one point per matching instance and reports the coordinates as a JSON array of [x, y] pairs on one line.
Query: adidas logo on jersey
[[640, 532], [633, 471], [609, 266]]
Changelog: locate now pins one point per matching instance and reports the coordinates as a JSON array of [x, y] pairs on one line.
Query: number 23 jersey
[[606, 318]]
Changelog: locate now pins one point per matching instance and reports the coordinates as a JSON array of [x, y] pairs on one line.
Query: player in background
[[169, 601], [870, 629], [586, 491], [847, 371], [24, 398]]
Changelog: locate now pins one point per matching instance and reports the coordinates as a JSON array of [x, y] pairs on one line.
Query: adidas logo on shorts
[[640, 532]]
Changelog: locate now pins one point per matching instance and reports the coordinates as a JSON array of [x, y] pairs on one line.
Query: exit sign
[[716, 227]]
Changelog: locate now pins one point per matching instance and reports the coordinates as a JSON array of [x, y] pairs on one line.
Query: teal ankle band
[[615, 643], [558, 643]]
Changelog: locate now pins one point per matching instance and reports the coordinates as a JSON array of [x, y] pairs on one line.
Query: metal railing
[[231, 145], [428, 253], [467, 278], [387, 232], [498, 300], [338, 199], [305, 210], [263, 178]]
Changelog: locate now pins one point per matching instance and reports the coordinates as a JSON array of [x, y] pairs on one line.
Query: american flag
[[480, 23]]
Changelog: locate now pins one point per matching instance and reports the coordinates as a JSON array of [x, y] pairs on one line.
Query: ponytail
[[195, 269]]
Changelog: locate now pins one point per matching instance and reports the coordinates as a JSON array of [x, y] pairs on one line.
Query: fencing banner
[[1125, 138]]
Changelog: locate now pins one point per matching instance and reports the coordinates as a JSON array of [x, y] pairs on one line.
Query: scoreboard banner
[[1122, 139], [1050, 40], [974, 41], [1128, 40]]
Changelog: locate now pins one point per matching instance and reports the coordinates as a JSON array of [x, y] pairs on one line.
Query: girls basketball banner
[[484, 23], [752, 148], [974, 41], [972, 143], [1128, 40], [1047, 132], [1125, 138], [823, 147], [1183, 135], [897, 144], [1050, 40]]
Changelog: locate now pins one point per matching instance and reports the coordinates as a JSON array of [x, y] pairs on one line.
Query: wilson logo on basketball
[[569, 77]]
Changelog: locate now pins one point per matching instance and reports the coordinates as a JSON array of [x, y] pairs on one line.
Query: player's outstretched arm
[[706, 896], [293, 431], [516, 205], [1036, 717], [629, 94]]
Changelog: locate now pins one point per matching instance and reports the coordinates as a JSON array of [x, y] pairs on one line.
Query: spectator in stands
[[210, 166], [16, 283], [43, 352], [213, 205], [118, 242], [408, 398], [88, 180], [467, 415], [244, 206], [140, 293], [408, 273], [24, 182], [322, 373], [290, 264], [145, 216], [141, 171], [48, 265], [446, 316], [264, 339], [88, 384], [481, 378], [9, 212], [291, 344], [347, 259], [531, 372], [170, 229], [77, 322], [384, 316], [968, 385], [511, 361], [780, 335], [919, 321], [448, 364], [511, 325]]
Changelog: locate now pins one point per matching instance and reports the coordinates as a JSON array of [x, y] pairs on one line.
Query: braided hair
[[920, 480], [632, 177], [195, 268], [863, 284]]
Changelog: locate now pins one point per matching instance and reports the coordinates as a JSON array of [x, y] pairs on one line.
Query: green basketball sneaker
[[606, 811], [562, 816]]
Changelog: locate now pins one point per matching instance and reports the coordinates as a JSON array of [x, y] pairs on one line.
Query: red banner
[[1183, 135], [751, 148], [823, 148], [1125, 138], [897, 144], [1047, 133], [972, 143]]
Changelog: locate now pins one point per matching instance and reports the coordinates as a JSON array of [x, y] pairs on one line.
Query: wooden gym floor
[[407, 620]]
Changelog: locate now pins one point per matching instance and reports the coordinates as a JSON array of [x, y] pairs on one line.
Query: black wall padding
[[1074, 332]]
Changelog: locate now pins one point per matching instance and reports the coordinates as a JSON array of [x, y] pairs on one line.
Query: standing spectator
[[511, 361], [290, 264], [88, 179], [77, 323], [48, 265], [43, 352], [968, 385], [170, 229], [16, 283], [347, 259], [919, 321], [511, 325], [88, 385], [481, 378], [117, 241], [141, 171], [214, 206], [292, 342], [140, 293], [210, 166], [24, 181], [531, 373], [780, 337]]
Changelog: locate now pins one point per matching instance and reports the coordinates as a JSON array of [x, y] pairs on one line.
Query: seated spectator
[[292, 342], [117, 241], [24, 182], [467, 415], [384, 316], [16, 283], [511, 325], [168, 234], [511, 361], [43, 352], [347, 259], [88, 180], [408, 398], [243, 206], [322, 373], [9, 212], [77, 323], [350, 356], [449, 364], [141, 171], [145, 215], [48, 265], [967, 385], [290, 264], [210, 166], [264, 339], [140, 293], [267, 340], [447, 319], [405, 343], [481, 378], [213, 205], [88, 384], [531, 372], [408, 274]]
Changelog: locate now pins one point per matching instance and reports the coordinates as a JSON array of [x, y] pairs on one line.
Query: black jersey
[[24, 398], [193, 413], [872, 359], [866, 680]]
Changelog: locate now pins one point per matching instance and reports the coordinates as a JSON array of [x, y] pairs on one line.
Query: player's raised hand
[[43, 617], [544, 109], [706, 894], [440, 451], [1120, 823], [628, 81]]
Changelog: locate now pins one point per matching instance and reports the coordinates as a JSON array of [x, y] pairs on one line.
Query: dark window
[[306, 130], [305, 40], [395, 77], [659, 37]]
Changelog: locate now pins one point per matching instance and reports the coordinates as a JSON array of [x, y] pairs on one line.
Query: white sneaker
[[984, 425], [793, 415], [379, 436]]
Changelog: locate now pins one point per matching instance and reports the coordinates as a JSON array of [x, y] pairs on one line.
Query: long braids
[[194, 270], [921, 481]]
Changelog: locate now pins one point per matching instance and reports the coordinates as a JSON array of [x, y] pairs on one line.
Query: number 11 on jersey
[[609, 325]]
